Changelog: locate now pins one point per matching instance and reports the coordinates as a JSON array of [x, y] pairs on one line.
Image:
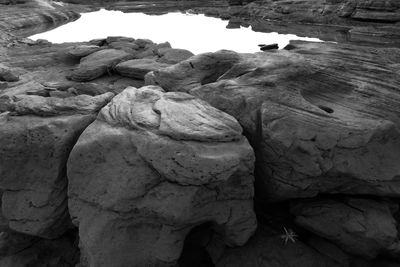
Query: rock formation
[[308, 140], [36, 137], [165, 174], [151, 167]]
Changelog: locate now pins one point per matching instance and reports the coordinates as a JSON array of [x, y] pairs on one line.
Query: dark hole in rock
[[326, 109], [194, 253]]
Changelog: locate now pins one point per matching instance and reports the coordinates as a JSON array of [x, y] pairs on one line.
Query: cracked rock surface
[[150, 168], [36, 135]]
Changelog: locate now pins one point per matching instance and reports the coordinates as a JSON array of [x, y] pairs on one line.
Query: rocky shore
[[124, 152]]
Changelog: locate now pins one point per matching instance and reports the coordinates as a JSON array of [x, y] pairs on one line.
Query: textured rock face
[[359, 226], [35, 141], [28, 18], [197, 70], [173, 55], [138, 68], [98, 63], [328, 11], [83, 50], [311, 139], [12, 242], [150, 168]]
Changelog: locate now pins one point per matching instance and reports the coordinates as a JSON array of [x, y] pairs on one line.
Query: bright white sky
[[196, 33]]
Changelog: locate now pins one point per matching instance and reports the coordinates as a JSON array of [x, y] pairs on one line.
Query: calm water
[[196, 33]]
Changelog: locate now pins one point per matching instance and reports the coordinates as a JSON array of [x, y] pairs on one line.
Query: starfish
[[289, 235]]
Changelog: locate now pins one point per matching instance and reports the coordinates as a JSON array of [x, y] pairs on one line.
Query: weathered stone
[[7, 74], [98, 64], [359, 226], [173, 55], [126, 46], [311, 140], [83, 50], [149, 169], [11, 241], [33, 153], [53, 106], [6, 96], [138, 68], [142, 43], [195, 71], [112, 39]]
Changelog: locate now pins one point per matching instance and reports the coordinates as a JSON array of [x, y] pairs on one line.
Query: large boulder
[[98, 63], [36, 136], [150, 168], [323, 118], [361, 227]]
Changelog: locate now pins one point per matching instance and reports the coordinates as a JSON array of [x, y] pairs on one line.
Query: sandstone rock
[[173, 55], [150, 168], [126, 46], [138, 68], [53, 106], [83, 50], [267, 249], [359, 226], [33, 153], [7, 74], [6, 96], [335, 12], [98, 63], [12, 242], [340, 139], [142, 43], [195, 71], [112, 39], [376, 15]]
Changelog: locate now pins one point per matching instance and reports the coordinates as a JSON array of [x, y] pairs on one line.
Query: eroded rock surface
[[318, 122], [361, 227], [138, 68], [36, 136], [149, 169], [98, 63]]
